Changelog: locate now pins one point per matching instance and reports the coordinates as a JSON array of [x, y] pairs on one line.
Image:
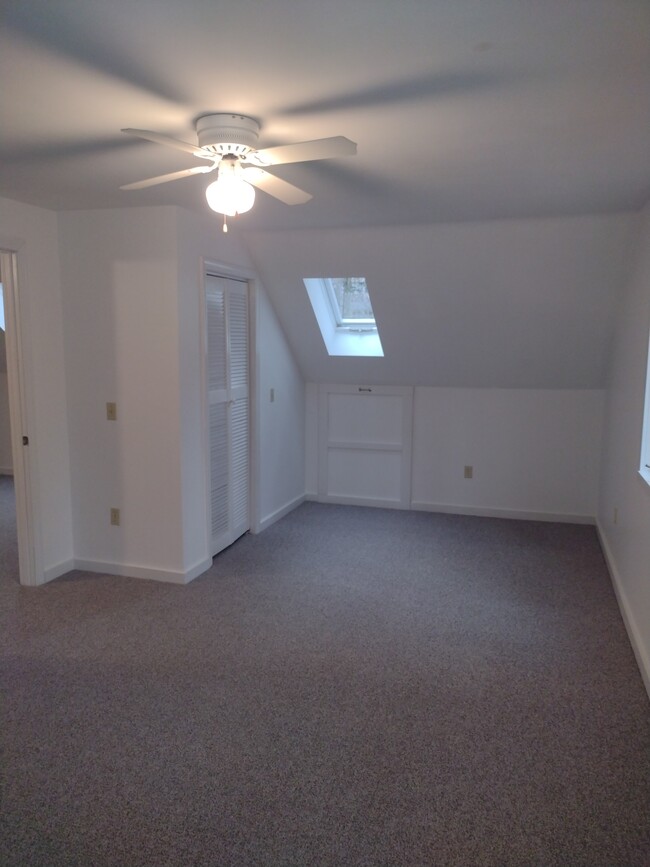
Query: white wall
[[311, 438], [33, 233], [281, 421], [534, 452], [132, 286], [121, 323], [627, 540]]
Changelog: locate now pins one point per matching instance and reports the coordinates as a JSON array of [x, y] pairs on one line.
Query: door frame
[[219, 268], [20, 392]]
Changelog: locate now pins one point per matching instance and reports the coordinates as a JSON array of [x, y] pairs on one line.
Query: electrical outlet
[[111, 411], [115, 517], [469, 472]]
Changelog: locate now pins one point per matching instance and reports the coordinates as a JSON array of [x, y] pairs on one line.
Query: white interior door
[[228, 408]]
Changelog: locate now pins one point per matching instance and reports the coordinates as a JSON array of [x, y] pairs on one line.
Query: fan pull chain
[[225, 224]]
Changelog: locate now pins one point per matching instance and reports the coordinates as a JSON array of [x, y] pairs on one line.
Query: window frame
[[360, 326], [644, 462], [340, 338]]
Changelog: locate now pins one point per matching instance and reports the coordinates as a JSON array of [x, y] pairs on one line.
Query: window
[[644, 469], [350, 303], [344, 314]]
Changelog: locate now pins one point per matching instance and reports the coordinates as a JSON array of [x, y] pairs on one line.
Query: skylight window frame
[[341, 339], [644, 466], [355, 326]]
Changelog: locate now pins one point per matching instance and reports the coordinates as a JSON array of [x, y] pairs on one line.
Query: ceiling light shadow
[[64, 150], [430, 86], [67, 36]]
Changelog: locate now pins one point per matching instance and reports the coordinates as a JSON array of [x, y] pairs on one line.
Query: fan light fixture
[[228, 142], [230, 194]]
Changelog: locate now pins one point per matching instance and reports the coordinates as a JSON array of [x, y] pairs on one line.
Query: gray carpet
[[351, 687]]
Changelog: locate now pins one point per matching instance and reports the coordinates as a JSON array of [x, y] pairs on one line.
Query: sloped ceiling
[[486, 130], [462, 109], [507, 304]]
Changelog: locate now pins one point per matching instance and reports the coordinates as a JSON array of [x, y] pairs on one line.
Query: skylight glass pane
[[345, 316], [352, 299]]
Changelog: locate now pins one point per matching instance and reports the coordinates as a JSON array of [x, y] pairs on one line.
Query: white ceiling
[[462, 109]]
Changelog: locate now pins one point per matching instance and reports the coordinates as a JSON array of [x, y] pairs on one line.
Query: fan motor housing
[[224, 134]]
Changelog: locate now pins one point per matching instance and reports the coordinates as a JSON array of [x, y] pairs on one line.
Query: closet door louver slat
[[228, 404], [219, 469], [239, 462], [238, 333]]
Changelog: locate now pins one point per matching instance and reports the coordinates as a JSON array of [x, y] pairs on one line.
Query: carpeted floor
[[351, 687]]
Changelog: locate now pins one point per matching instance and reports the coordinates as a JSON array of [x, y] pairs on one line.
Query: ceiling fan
[[228, 142]]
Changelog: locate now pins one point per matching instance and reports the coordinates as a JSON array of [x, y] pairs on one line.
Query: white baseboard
[[127, 570], [448, 509], [515, 514], [198, 569], [634, 634], [356, 501], [279, 513], [56, 571]]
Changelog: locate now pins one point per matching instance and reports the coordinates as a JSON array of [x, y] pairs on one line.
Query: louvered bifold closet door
[[228, 411], [239, 413]]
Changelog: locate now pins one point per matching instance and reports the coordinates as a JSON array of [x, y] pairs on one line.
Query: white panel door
[[365, 445], [228, 408]]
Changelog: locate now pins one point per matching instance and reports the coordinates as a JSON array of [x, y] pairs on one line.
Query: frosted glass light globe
[[230, 195]]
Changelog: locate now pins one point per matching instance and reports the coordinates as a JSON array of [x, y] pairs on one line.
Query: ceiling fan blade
[[319, 149], [172, 176], [276, 187], [159, 138]]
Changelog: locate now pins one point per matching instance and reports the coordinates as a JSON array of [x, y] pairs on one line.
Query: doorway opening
[[8, 534], [16, 548]]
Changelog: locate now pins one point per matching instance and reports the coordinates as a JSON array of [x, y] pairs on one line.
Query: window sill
[[645, 475]]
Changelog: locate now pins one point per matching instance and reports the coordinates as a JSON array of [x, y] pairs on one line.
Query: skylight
[[344, 314], [351, 303]]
